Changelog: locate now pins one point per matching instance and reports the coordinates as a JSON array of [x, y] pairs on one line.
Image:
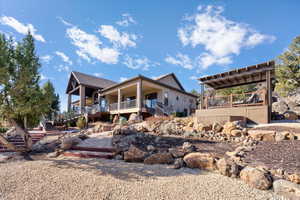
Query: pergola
[[263, 72]]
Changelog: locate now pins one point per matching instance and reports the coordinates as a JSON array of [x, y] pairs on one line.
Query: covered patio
[[255, 107]]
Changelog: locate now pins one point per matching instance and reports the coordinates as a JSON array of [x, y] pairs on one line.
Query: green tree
[[194, 92], [237, 90], [288, 69], [51, 100], [21, 99]]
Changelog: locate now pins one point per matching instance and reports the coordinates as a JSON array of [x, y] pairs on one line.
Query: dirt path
[[109, 179]]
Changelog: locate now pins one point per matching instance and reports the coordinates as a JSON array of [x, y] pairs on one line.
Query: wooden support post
[[82, 98], [202, 96], [139, 95], [231, 100], [269, 94], [69, 101], [119, 100]]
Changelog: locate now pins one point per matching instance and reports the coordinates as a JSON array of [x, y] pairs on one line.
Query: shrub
[[81, 123], [3, 130]]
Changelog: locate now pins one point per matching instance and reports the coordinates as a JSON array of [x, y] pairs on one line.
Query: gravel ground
[[66, 178]]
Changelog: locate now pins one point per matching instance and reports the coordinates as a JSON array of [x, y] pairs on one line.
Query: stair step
[[88, 154], [94, 149]]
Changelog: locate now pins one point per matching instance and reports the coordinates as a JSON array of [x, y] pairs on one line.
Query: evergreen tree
[[51, 100], [21, 99], [288, 69]]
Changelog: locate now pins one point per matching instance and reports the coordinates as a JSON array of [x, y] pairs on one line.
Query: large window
[[151, 100]]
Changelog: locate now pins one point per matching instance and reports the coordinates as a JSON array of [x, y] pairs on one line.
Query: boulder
[[280, 107], [287, 189], [216, 127], [150, 148], [134, 154], [116, 119], [290, 115], [279, 136], [204, 161], [187, 147], [68, 142], [177, 153], [264, 135], [236, 133], [159, 158], [228, 127], [53, 154], [178, 163], [198, 127], [256, 178], [295, 178], [134, 118], [228, 168], [168, 128]]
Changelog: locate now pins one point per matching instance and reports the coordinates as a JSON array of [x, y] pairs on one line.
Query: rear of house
[[148, 97]]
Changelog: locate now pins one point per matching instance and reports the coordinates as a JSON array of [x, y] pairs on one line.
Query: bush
[[81, 123], [3, 130]]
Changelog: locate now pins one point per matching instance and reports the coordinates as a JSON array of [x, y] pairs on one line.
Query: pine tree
[[288, 69], [51, 100], [21, 98]]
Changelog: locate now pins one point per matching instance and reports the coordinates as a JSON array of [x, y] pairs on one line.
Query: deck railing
[[123, 105], [236, 100]]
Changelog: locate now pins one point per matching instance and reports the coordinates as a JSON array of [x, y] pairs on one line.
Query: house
[[160, 96], [253, 107]]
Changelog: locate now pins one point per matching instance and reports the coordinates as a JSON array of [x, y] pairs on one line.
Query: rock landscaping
[[230, 149], [264, 157]]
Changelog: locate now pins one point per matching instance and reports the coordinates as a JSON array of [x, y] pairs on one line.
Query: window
[[166, 99], [177, 98]]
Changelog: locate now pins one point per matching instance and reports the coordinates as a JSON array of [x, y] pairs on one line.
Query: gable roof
[[88, 80], [150, 80], [173, 76]]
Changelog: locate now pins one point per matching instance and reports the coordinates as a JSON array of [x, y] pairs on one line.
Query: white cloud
[[127, 20], [205, 60], [221, 38], [122, 79], [138, 62], [193, 78], [117, 38], [64, 57], [64, 21], [44, 77], [21, 28], [181, 60], [46, 58], [99, 74], [63, 68], [90, 47]]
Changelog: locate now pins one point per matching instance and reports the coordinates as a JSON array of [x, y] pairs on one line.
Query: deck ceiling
[[242, 76]]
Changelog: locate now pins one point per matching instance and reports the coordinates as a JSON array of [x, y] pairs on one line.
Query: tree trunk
[[24, 134]]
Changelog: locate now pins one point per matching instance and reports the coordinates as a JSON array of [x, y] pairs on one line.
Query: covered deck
[[255, 107], [134, 96]]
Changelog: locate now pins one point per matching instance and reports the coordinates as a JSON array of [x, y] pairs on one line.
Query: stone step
[[94, 149], [88, 154]]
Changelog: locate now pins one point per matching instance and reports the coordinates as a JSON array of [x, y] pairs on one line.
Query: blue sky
[[121, 39]]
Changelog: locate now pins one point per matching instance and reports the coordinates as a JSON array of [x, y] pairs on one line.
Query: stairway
[[91, 152], [18, 141]]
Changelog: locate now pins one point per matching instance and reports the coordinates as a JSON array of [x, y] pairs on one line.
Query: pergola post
[[269, 94], [202, 96], [82, 98], [69, 101], [139, 95]]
